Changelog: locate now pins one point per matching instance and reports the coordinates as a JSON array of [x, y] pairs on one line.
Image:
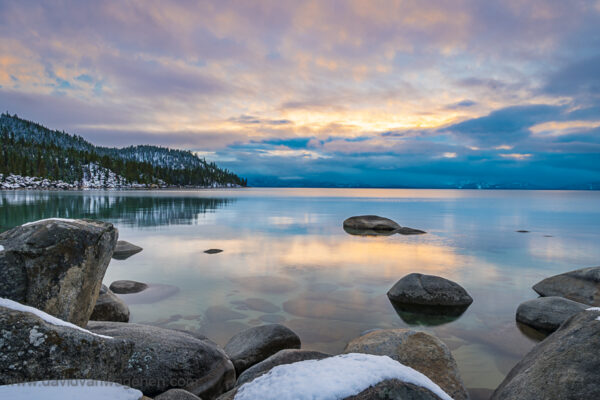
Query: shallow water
[[287, 259]]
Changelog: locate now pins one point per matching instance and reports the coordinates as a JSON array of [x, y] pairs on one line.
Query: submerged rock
[[154, 293], [109, 307], [565, 365], [282, 357], [581, 285], [253, 345], [124, 250], [164, 359], [373, 225], [126, 287], [57, 265], [418, 350], [33, 349], [429, 290], [546, 314]]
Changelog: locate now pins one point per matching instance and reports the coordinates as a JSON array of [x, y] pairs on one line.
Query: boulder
[[418, 350], [124, 250], [35, 346], [282, 357], [56, 265], [164, 359], [546, 314], [582, 285], [125, 287], [109, 307], [566, 365], [373, 225], [253, 345], [371, 222], [177, 394], [429, 290]]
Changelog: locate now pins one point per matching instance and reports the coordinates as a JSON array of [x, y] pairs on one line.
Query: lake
[[287, 259]]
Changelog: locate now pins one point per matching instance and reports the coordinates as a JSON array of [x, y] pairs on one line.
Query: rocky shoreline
[[59, 323]]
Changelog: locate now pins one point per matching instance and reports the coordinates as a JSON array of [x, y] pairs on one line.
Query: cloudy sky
[[368, 93]]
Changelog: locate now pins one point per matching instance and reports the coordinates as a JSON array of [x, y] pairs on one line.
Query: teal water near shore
[[287, 259]]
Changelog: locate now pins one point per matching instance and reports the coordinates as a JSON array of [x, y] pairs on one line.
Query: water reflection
[[125, 208], [286, 259], [427, 316]]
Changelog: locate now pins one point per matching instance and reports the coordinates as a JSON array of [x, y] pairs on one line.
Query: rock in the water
[[109, 307], [177, 394], [124, 250], [429, 290], [394, 389], [581, 285], [371, 222], [32, 349], [546, 314], [282, 357], [57, 265], [373, 225], [154, 293], [164, 359], [418, 350], [566, 365], [213, 251], [125, 287], [253, 345]]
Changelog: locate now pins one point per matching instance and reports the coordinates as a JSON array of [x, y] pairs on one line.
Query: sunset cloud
[[354, 92]]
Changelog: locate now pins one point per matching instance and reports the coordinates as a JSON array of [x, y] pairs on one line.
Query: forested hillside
[[29, 149]]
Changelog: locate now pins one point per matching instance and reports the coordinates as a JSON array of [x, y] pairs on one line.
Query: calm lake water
[[287, 259]]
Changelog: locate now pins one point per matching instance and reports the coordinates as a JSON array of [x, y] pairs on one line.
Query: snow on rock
[[73, 389], [593, 309], [48, 219], [1, 248], [332, 378], [13, 305]]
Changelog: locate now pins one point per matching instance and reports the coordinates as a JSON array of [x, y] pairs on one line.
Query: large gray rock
[[109, 307], [582, 285], [429, 290], [32, 349], [124, 250], [125, 287], [177, 394], [546, 314], [287, 356], [253, 345], [566, 365], [375, 225], [418, 350], [394, 389], [57, 266], [164, 359]]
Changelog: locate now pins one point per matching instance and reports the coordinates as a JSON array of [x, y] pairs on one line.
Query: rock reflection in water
[[427, 315]]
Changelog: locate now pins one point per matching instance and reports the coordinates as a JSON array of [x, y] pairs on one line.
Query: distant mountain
[[30, 149]]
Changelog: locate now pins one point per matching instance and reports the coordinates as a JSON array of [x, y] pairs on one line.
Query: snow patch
[[13, 305], [332, 378], [1, 248], [73, 389], [593, 309], [48, 219]]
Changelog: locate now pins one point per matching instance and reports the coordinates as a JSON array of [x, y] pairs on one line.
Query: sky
[[316, 93]]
